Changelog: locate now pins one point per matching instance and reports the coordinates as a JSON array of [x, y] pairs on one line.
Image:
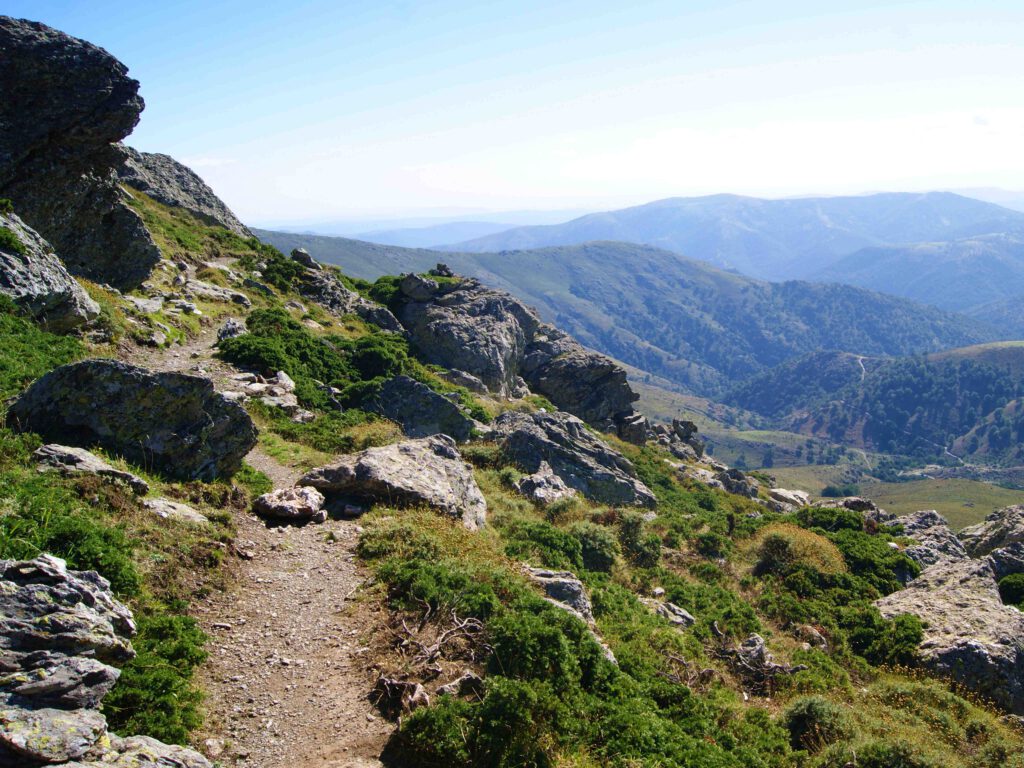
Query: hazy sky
[[310, 110]]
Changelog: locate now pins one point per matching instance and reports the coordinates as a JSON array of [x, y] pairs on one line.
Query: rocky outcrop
[[172, 422], [1003, 527], [565, 590], [426, 472], [169, 182], [292, 505], [326, 289], [66, 102], [789, 500], [970, 635], [680, 438], [36, 280], [421, 411], [671, 612], [78, 461], [61, 635], [493, 337], [544, 486], [579, 458], [738, 482], [936, 542]]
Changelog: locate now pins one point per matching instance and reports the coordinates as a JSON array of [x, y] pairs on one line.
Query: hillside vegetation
[[698, 327]]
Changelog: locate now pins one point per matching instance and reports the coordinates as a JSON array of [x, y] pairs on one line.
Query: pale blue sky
[[300, 111]]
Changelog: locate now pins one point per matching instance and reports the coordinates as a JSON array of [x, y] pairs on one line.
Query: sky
[[313, 110]]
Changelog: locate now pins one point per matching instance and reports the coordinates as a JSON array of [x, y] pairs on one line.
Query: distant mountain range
[[700, 327], [772, 239], [431, 236]]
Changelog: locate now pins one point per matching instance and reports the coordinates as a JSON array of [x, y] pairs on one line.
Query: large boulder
[[61, 632], [936, 542], [65, 104], [172, 422], [460, 324], [421, 411], [169, 182], [578, 457], [544, 486], [36, 280], [970, 635], [1001, 528], [427, 472], [291, 505]]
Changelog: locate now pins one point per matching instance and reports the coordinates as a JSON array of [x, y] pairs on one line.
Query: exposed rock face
[[169, 182], [544, 486], [936, 541], [65, 103], [565, 590], [1007, 560], [38, 282], [581, 460], [738, 482], [292, 504], [429, 471], [420, 411], [61, 632], [970, 635], [791, 499], [327, 290], [671, 612], [1001, 528], [78, 461], [173, 422], [498, 340]]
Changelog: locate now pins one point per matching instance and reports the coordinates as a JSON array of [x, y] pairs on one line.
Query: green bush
[[840, 491], [1011, 589], [9, 242], [887, 754], [713, 544], [155, 694], [544, 544], [6, 206], [27, 351], [828, 519], [642, 549], [814, 722], [599, 547]]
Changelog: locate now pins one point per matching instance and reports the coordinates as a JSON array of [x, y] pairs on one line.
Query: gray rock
[[211, 292], [326, 289], [467, 380], [1001, 528], [231, 329], [429, 471], [1007, 560], [467, 684], [497, 339], [37, 281], [75, 461], [701, 475], [146, 306], [142, 751], [794, 499], [65, 104], [970, 635], [564, 589], [738, 482], [420, 411], [50, 735], [49, 679], [174, 510], [580, 459], [681, 617], [172, 422], [544, 486], [292, 504], [301, 256], [169, 182], [936, 542]]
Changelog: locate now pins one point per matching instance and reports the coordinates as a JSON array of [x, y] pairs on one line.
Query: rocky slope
[[169, 182]]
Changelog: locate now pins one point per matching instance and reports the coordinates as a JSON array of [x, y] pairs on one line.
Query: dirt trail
[[286, 680]]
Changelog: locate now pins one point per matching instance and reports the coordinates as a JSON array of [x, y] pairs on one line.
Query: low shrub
[[642, 549], [782, 547], [814, 722], [10, 242], [543, 544], [599, 546], [1011, 589]]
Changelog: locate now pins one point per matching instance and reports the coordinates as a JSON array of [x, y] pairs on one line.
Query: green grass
[[961, 502], [27, 352]]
